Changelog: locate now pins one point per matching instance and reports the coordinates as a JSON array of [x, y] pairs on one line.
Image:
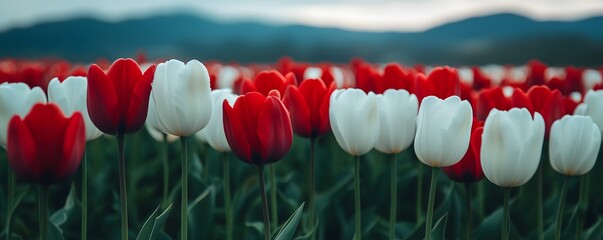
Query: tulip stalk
[[227, 207], [264, 202], [312, 187], [560, 211], [166, 172], [84, 197], [468, 187], [43, 211], [506, 216], [273, 204], [184, 207], [539, 210], [419, 209], [9, 200], [122, 187], [393, 197], [357, 198], [430, 203], [583, 201]]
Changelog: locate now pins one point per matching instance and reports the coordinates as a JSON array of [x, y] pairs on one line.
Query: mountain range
[[500, 38]]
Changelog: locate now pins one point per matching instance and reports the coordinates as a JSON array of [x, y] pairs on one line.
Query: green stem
[[228, 208], [312, 187], [560, 211], [85, 197], [539, 210], [583, 203], [273, 204], [184, 198], [264, 202], [481, 197], [419, 209], [506, 217], [10, 199], [166, 172], [122, 187], [432, 193], [43, 211], [469, 209], [393, 197], [358, 229]]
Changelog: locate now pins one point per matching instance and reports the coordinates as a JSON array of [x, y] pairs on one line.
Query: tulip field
[[171, 149]]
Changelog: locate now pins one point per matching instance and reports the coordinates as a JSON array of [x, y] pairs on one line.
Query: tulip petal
[[299, 110], [234, 132], [102, 100], [21, 150], [274, 130], [74, 144], [139, 102]]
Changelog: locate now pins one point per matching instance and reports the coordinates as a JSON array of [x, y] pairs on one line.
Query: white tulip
[[511, 146], [181, 98], [214, 132], [158, 135], [574, 145], [398, 120], [443, 130], [16, 99], [70, 95], [354, 118], [592, 106]]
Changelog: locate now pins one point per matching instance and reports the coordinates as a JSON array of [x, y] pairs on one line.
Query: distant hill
[[500, 38]]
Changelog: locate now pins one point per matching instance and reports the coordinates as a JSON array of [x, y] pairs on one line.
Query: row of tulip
[[497, 132]]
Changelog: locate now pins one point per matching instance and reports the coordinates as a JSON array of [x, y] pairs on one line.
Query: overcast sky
[[366, 15]]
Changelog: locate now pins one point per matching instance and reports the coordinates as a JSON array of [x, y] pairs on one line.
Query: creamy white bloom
[[354, 119], [180, 97], [16, 99], [397, 120], [592, 106], [227, 75], [590, 78], [213, 134], [443, 130], [70, 95], [574, 145], [511, 146]]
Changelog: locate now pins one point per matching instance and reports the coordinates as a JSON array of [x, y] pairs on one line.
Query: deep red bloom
[[536, 70], [258, 128], [45, 147], [542, 100], [309, 107], [368, 79], [266, 81], [469, 169], [441, 82], [118, 100], [480, 80], [489, 99], [396, 77]]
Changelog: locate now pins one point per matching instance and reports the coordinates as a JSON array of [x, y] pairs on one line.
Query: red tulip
[[489, 99], [442, 82], [469, 169], [368, 79], [266, 81], [542, 100], [118, 100], [536, 70], [45, 147], [395, 77], [480, 80], [309, 107], [258, 128]]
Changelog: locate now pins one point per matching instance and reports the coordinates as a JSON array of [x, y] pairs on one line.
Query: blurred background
[[462, 32]]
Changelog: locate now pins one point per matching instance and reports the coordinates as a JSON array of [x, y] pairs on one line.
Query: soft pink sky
[[365, 15]]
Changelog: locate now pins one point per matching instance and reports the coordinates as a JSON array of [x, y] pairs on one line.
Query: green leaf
[[59, 217], [594, 232], [54, 232], [153, 224], [289, 227]]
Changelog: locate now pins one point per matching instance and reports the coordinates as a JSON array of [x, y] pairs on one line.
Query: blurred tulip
[[156, 134], [469, 169], [257, 128], [511, 146], [397, 120], [181, 97], [488, 99], [574, 145], [593, 107], [354, 118], [443, 130], [45, 147], [309, 107], [118, 100], [541, 99], [16, 99], [441, 82], [70, 95], [266, 81], [213, 133]]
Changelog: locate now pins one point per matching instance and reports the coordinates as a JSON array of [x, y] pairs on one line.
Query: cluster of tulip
[[490, 121]]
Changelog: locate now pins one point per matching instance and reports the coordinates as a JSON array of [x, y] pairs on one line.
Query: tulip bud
[[593, 107], [511, 146], [353, 115], [574, 145], [443, 130], [398, 120], [213, 133]]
